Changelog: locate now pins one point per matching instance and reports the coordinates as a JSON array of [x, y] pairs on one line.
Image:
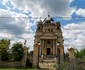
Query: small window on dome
[[58, 28], [38, 28]]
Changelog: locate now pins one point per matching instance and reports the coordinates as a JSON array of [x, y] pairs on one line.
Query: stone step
[[48, 66], [49, 61], [49, 56]]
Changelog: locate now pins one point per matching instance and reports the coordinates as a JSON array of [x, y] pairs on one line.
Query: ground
[[19, 69]]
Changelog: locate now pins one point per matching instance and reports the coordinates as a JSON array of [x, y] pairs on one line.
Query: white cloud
[[5, 13], [81, 12], [74, 35], [27, 36], [5, 35], [42, 7], [4, 2], [16, 26]]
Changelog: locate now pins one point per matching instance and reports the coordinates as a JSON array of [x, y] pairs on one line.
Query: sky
[[18, 20]]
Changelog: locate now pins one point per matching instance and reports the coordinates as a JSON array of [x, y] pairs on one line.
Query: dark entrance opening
[[48, 51]]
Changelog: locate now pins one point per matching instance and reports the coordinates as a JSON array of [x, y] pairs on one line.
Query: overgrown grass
[[69, 67], [19, 69]]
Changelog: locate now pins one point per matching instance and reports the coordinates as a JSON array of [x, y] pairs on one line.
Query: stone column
[[42, 46], [36, 56], [54, 47], [45, 51], [61, 53], [71, 55], [24, 59], [51, 50], [40, 49]]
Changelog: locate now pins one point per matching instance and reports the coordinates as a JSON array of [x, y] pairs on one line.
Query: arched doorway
[[48, 51]]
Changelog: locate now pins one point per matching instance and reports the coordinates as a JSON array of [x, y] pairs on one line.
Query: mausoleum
[[50, 40]]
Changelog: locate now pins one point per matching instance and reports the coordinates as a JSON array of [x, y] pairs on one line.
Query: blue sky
[[18, 20]]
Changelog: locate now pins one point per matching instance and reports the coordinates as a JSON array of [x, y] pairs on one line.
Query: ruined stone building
[[49, 35]]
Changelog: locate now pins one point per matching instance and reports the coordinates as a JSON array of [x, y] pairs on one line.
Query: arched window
[[48, 29], [58, 28], [51, 30], [38, 28], [45, 30], [48, 42]]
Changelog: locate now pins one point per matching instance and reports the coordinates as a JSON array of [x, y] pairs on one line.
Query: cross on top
[[48, 14]]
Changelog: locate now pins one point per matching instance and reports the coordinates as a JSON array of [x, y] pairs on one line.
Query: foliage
[[4, 55], [31, 52], [66, 56], [4, 44], [17, 51], [18, 68], [28, 63], [80, 54], [68, 66]]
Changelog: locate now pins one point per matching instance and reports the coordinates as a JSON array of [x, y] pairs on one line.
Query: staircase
[[48, 57], [48, 64]]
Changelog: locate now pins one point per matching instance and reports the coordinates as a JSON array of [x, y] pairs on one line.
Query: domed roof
[[48, 19]]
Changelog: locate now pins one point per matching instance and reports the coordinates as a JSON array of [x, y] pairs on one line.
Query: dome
[[48, 18]]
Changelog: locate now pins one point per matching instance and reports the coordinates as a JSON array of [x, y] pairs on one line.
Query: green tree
[[77, 53], [80, 54], [66, 56], [4, 45], [31, 52], [4, 55], [17, 51]]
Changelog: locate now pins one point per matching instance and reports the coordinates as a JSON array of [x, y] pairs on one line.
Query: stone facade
[[49, 35]]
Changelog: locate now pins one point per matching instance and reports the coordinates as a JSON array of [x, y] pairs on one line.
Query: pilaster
[[61, 53], [54, 50], [36, 56]]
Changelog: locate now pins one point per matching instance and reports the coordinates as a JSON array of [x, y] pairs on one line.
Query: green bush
[[80, 54], [4, 55], [17, 51]]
